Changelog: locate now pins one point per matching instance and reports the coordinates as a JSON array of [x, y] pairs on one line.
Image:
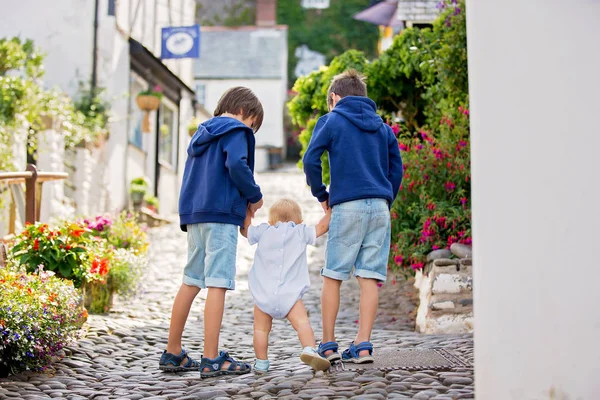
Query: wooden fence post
[[30, 197]]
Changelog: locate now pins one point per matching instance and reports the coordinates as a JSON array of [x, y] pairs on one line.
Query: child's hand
[[254, 207], [325, 205]]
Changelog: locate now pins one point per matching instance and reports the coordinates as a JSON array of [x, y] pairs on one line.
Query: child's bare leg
[[369, 300], [299, 319], [179, 314], [330, 305], [213, 317], [262, 327]]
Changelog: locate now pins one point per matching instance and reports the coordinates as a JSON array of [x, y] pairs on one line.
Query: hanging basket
[[147, 103]]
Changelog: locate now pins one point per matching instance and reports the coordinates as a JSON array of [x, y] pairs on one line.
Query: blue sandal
[[329, 346], [215, 366], [352, 354], [172, 363]]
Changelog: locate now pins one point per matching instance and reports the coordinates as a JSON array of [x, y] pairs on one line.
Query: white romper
[[279, 276]]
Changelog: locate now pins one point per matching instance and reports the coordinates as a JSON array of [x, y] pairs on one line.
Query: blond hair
[[285, 210]]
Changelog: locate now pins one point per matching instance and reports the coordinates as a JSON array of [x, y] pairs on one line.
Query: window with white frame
[[201, 93], [136, 85], [167, 131]]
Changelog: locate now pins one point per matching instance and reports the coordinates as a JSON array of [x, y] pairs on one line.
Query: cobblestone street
[[118, 358]]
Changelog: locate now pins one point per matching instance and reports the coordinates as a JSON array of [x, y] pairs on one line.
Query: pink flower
[[435, 247], [450, 186], [417, 266], [398, 260], [379, 284], [431, 206], [395, 129], [463, 200], [462, 143], [403, 147]]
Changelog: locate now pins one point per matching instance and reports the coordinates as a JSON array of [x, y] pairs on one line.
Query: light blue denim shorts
[[211, 255], [359, 238]]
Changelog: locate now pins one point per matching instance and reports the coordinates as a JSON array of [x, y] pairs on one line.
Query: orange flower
[[77, 232], [29, 290]]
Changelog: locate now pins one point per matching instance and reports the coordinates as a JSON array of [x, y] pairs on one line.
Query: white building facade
[[254, 57], [117, 44], [534, 82]]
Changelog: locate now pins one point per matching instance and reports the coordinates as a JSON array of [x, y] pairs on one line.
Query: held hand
[[325, 205], [254, 207]]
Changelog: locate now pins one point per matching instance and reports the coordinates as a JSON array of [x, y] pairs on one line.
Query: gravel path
[[118, 358]]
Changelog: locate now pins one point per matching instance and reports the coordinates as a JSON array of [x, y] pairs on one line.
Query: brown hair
[[241, 101], [348, 83], [285, 210]]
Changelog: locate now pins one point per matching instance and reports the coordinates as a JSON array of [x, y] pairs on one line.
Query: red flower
[[36, 244]]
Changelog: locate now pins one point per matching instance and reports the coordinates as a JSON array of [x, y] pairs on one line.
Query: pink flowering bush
[[432, 209]]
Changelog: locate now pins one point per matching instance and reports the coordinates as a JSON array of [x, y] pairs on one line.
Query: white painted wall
[[534, 86], [270, 92], [63, 30]]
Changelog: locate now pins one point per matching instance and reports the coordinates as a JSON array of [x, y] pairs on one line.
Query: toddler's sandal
[[174, 363], [315, 361], [215, 366], [352, 354]]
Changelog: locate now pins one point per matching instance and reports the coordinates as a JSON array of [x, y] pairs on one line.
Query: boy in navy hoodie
[[218, 189], [366, 172]]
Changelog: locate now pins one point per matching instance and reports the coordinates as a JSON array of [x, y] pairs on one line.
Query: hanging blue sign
[[180, 42]]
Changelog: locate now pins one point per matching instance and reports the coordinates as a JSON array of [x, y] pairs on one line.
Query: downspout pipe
[[94, 80]]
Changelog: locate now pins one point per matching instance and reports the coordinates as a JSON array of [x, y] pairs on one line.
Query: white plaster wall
[[271, 93], [63, 30], [534, 86]]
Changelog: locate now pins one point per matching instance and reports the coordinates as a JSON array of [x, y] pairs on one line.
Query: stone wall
[[446, 292]]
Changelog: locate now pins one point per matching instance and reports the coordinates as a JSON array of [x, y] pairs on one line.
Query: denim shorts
[[211, 255], [359, 238]]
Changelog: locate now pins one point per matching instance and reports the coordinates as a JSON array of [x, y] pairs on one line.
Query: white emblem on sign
[[180, 43]]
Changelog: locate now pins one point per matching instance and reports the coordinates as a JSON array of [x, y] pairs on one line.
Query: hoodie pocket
[[239, 207]]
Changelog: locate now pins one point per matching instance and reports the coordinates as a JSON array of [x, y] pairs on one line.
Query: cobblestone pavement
[[118, 358]]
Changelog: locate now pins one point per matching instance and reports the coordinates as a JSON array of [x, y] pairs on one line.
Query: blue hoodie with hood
[[218, 180], [364, 159]]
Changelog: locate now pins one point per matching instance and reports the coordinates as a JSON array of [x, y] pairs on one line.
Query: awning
[[149, 67], [383, 14]]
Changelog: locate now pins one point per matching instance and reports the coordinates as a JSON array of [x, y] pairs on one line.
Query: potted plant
[[193, 126], [149, 100], [152, 203], [137, 190]]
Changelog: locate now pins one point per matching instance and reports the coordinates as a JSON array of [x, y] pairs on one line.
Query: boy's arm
[[235, 147], [247, 222], [396, 170], [323, 226], [312, 160]]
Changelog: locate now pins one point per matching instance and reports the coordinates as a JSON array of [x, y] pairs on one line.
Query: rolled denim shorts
[[359, 239], [211, 255]]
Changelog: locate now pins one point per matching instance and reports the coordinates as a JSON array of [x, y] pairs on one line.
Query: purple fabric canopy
[[383, 13]]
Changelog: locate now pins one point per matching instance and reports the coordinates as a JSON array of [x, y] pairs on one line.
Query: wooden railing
[[33, 189]]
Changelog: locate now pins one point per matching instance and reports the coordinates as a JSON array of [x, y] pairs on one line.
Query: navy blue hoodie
[[218, 180], [364, 158]]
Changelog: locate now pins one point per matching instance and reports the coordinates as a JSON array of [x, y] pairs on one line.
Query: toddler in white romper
[[279, 277]]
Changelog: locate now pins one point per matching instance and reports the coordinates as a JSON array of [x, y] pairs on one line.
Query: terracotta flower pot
[[147, 103]]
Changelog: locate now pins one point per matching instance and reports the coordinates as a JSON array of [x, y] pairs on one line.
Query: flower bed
[[53, 272], [39, 315], [101, 255], [432, 210]]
